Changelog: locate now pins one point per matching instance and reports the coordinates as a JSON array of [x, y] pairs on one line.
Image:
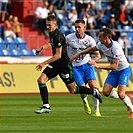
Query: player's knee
[[40, 80], [71, 87], [106, 93], [121, 95], [72, 92]]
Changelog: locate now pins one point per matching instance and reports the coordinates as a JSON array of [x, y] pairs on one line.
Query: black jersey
[[57, 40]]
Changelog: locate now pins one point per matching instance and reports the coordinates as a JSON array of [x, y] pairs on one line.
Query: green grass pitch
[[67, 116]]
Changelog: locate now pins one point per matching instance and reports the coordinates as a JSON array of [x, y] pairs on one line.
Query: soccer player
[[119, 66], [83, 72], [58, 64]]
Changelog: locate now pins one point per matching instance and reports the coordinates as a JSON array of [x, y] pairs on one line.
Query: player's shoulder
[[71, 35], [58, 33], [116, 43], [88, 37]]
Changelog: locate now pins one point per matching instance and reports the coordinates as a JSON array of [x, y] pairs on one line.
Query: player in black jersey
[[58, 64]]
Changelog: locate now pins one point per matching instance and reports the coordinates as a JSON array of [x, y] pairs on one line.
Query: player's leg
[[44, 94], [79, 79], [92, 84], [123, 82], [107, 88], [111, 81], [68, 78], [113, 94], [84, 90], [45, 76], [90, 78], [84, 98], [126, 100]]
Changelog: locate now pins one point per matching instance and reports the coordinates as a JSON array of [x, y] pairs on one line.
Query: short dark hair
[[51, 18], [80, 21], [106, 32]]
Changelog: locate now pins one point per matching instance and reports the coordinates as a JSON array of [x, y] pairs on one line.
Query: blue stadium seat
[[10, 43], [4, 52], [32, 52], [14, 52], [20, 43], [119, 27], [2, 44], [63, 19], [72, 29], [69, 5], [104, 5], [24, 52], [65, 29], [129, 33]]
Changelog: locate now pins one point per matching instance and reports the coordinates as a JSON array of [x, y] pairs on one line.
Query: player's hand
[[74, 57], [91, 62], [40, 66], [96, 66], [38, 51]]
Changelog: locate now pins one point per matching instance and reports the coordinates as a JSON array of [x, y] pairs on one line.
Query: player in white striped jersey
[[83, 72], [119, 65]]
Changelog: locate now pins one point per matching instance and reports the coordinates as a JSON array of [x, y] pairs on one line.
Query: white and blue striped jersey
[[76, 45], [115, 52]]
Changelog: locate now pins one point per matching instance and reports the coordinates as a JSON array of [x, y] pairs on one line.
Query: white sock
[[128, 103], [96, 103], [46, 105], [84, 98], [114, 94]]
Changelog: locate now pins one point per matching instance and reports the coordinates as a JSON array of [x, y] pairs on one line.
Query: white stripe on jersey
[[78, 44], [115, 52]]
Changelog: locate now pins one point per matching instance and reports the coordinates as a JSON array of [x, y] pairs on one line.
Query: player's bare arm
[[96, 59], [45, 46], [112, 66], [52, 59], [86, 51]]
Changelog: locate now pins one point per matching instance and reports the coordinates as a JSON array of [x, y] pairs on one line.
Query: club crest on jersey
[[59, 44], [117, 55], [51, 40], [85, 42]]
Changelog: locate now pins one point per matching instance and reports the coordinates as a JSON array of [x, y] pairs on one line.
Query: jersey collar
[[80, 38], [111, 44]]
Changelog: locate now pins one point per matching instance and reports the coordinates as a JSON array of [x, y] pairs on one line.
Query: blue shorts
[[83, 73], [119, 77]]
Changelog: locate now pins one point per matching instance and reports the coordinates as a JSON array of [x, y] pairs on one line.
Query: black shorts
[[62, 69]]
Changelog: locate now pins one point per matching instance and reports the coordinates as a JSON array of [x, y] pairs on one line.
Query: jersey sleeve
[[117, 53], [98, 45], [92, 42], [58, 42]]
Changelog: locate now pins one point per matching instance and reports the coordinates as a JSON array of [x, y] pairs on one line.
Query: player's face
[[80, 28], [102, 38], [51, 25]]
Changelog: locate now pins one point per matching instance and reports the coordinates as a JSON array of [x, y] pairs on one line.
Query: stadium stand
[[26, 16]]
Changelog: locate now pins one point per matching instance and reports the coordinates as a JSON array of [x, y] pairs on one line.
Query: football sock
[[43, 93], [114, 94], [96, 103], [46, 105], [83, 90], [84, 98], [128, 103]]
